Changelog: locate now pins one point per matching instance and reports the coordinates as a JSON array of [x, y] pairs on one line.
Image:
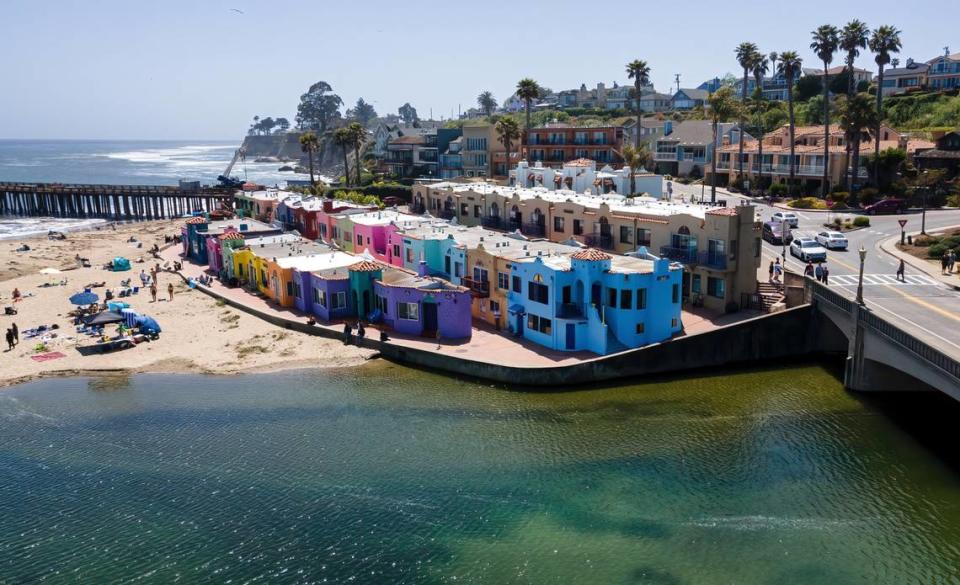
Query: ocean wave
[[12, 228], [166, 155]]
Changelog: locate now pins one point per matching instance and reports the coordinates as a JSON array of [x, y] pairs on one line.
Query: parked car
[[832, 240], [789, 217], [777, 233], [808, 250], [890, 205]]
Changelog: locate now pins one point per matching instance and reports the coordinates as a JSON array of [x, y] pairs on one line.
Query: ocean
[[393, 475], [134, 162]]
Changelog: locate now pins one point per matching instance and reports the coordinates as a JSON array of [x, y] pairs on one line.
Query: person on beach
[[17, 297], [9, 340], [16, 334], [170, 291], [153, 292], [144, 279], [900, 270]]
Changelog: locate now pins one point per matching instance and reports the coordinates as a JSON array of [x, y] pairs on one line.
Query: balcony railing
[[604, 241], [534, 229], [514, 224], [570, 311], [666, 156], [806, 170], [479, 288], [492, 222], [684, 255], [712, 259]]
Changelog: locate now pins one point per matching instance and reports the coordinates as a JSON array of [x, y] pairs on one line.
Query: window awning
[[518, 309]]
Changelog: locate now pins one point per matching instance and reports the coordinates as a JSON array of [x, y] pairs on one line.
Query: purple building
[[420, 305]]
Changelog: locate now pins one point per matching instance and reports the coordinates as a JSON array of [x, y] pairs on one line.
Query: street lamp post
[[783, 243], [923, 217], [863, 257]]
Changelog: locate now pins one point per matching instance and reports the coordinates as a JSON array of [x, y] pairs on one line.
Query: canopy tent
[[120, 264], [148, 324], [104, 318], [84, 298]]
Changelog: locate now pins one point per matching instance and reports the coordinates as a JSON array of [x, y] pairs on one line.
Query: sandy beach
[[199, 335]]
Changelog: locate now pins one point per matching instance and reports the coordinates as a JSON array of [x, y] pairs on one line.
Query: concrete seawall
[[767, 338]]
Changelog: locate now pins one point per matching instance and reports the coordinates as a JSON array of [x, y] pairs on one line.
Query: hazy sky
[[185, 69]]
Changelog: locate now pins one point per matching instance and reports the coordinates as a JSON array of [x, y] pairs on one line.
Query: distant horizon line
[[11, 139]]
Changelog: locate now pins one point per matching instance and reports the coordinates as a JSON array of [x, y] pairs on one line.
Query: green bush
[[778, 190], [868, 195], [924, 241], [839, 198], [808, 203], [937, 250], [861, 221]]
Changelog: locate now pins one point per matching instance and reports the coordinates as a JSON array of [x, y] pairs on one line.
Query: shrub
[[937, 250], [839, 198], [868, 195], [861, 221], [778, 190], [924, 241], [808, 203]]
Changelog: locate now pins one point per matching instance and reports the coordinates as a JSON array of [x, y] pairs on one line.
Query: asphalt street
[[923, 306]]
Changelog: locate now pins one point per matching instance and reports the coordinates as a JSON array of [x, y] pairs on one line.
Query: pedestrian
[[360, 331], [953, 260], [777, 270], [944, 261], [900, 269], [771, 271], [144, 279], [826, 274], [16, 334], [170, 290], [153, 291], [819, 272], [808, 270], [347, 333], [9, 339]]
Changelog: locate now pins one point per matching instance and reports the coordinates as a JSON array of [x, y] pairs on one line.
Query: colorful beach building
[[590, 300], [230, 247], [198, 230]]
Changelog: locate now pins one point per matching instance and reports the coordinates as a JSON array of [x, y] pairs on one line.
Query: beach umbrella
[[84, 298], [104, 318]]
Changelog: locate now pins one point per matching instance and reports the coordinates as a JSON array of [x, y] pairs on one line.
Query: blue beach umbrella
[[149, 324], [84, 298]]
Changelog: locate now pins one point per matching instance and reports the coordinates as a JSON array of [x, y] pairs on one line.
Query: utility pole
[[676, 77]]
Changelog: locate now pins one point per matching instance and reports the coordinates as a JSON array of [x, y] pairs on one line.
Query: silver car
[[808, 250], [788, 217], [832, 240]]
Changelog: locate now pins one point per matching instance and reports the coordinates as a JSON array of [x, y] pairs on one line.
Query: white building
[[582, 176]]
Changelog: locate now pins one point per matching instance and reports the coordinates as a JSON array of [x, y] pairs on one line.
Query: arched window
[[684, 230]]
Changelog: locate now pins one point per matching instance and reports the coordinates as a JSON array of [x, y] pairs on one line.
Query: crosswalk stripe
[[883, 279]]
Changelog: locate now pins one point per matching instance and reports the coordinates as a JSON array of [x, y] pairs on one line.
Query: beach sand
[[199, 335]]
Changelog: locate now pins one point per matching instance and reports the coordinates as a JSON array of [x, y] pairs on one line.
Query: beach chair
[[136, 290]]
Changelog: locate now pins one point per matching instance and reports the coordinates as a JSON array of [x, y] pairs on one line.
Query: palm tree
[[826, 41], [639, 72], [883, 42], [760, 68], [747, 54], [853, 37], [309, 143], [342, 137], [723, 106], [528, 90], [635, 158], [487, 103], [789, 64], [856, 116], [508, 130], [358, 135]]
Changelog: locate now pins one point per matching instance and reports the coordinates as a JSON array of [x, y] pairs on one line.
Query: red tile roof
[[723, 211], [365, 266], [581, 162], [591, 254], [196, 220], [231, 235]]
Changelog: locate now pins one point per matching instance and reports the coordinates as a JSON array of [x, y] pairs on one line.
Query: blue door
[[571, 336]]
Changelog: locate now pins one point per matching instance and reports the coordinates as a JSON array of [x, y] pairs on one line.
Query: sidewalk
[[929, 267]]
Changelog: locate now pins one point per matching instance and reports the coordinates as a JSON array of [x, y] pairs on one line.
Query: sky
[[197, 69]]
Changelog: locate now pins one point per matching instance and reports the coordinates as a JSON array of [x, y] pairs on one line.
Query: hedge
[[379, 190]]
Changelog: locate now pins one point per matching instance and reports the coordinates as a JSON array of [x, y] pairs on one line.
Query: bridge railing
[[822, 292], [919, 348]]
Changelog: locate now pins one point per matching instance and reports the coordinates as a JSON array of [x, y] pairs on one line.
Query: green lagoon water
[[391, 475]]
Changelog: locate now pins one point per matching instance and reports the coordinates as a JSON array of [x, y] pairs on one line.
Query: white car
[[832, 240], [789, 217], [808, 250]]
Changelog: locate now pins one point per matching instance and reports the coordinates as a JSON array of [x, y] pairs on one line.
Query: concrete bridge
[[880, 356]]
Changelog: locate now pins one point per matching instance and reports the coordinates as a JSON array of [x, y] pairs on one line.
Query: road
[[923, 306]]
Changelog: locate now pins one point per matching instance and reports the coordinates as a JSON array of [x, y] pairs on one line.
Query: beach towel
[[53, 355]]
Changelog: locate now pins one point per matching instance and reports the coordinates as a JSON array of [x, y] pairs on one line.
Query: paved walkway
[[486, 344], [929, 267]]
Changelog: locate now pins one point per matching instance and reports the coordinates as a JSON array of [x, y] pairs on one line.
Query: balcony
[[684, 255], [447, 214], [665, 156], [712, 260], [570, 311], [534, 229], [603, 241], [513, 224], [478, 288], [417, 208], [492, 222]]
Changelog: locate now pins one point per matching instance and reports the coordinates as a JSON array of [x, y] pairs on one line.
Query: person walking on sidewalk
[[771, 271], [944, 262], [808, 270], [826, 273], [951, 261], [900, 270], [818, 272]]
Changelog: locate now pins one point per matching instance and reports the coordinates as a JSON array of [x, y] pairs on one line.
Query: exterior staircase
[[770, 294]]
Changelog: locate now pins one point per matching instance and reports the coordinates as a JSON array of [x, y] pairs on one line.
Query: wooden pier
[[118, 202]]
